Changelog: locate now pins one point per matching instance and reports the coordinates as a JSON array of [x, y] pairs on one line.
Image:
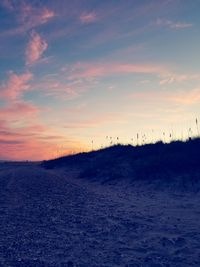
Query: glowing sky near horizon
[[76, 71]]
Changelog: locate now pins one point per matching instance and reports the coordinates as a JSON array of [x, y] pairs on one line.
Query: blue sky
[[73, 72]]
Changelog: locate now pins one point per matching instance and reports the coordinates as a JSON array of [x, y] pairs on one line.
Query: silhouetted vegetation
[[176, 160]]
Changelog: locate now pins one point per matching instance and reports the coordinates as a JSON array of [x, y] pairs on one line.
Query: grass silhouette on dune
[[176, 160]]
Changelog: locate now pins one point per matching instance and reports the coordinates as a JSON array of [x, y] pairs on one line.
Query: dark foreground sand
[[49, 218]]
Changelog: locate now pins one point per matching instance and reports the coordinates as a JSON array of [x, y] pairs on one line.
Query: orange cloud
[[15, 86], [36, 47]]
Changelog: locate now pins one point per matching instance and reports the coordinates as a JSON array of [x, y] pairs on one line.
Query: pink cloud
[[28, 17], [23, 136], [89, 71], [12, 130], [18, 149], [33, 142], [15, 86], [34, 150], [18, 109], [36, 47], [31, 16], [179, 97], [20, 124], [87, 18]]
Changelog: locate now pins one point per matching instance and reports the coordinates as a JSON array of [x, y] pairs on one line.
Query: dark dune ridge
[[177, 162]]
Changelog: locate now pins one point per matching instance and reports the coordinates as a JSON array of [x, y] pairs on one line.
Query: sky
[[84, 74]]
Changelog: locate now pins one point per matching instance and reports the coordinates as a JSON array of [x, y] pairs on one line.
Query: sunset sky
[[73, 72]]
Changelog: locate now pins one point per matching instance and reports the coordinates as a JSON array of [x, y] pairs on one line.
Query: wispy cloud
[[18, 109], [7, 4], [58, 87], [178, 97], [83, 76], [15, 86], [190, 97], [28, 17], [10, 142], [32, 16], [76, 109], [87, 18], [92, 70], [34, 142], [36, 47], [178, 78], [96, 121], [61, 89], [172, 24]]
